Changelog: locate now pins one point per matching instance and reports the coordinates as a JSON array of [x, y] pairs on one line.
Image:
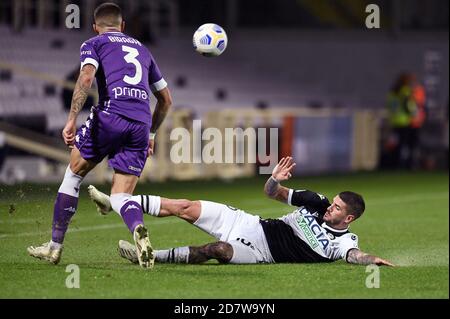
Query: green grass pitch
[[406, 221]]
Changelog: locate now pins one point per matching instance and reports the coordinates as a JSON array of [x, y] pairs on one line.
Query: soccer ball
[[210, 40]]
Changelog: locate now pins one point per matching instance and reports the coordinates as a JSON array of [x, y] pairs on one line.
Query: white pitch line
[[12, 220], [84, 229]]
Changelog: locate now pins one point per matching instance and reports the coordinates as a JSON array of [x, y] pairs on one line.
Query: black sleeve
[[313, 200]]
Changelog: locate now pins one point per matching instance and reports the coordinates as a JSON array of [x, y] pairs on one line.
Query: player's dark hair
[[108, 13], [355, 203]]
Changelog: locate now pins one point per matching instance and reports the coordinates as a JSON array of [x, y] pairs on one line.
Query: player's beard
[[329, 220]]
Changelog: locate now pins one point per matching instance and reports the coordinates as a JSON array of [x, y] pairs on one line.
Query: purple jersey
[[126, 73]]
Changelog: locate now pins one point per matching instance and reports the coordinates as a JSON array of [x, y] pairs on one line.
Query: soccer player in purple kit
[[120, 126]]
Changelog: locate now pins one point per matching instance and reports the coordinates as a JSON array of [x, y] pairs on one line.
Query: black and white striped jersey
[[302, 236]]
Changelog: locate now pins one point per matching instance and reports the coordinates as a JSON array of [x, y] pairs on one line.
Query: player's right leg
[[234, 253], [130, 210], [65, 207]]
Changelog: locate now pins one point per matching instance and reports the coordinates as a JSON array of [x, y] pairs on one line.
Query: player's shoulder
[[311, 195], [323, 197], [91, 41], [350, 236]]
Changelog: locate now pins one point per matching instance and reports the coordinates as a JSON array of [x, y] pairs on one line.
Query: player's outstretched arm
[[164, 101], [356, 256], [79, 97], [281, 172]]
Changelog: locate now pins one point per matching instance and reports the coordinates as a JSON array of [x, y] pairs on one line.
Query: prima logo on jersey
[[130, 92]]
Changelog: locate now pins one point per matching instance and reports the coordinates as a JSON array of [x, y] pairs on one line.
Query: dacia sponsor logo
[[313, 231], [308, 233]]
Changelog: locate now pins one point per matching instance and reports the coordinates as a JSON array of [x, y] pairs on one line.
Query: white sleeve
[[158, 86], [89, 61], [291, 191], [88, 55], [348, 241]]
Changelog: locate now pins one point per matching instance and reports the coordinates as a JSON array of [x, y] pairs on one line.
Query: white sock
[[179, 255], [71, 183], [118, 200], [150, 204]]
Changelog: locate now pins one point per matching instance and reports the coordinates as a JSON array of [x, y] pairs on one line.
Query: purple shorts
[[123, 140]]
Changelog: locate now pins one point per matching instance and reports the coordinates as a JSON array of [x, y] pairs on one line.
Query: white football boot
[[128, 251], [144, 250], [46, 252], [100, 199]]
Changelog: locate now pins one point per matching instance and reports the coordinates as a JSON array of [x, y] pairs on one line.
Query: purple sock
[[132, 214], [65, 207]]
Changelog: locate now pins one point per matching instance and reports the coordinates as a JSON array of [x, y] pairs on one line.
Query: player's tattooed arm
[[281, 172], [164, 101], [79, 97], [356, 256], [81, 92]]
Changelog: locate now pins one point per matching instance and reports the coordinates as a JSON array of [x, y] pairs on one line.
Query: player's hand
[[382, 262], [282, 171], [68, 133], [151, 147]]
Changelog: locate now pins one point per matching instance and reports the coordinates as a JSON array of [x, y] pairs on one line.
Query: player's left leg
[[64, 208]]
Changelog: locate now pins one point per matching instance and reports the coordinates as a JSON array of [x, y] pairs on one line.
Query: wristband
[[152, 136], [274, 179]]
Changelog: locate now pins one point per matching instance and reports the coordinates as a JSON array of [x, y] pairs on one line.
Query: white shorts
[[238, 228]]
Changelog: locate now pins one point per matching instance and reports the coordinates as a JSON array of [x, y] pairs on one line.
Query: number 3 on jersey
[[130, 57]]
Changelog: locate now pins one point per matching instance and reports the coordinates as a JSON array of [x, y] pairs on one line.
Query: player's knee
[[184, 206], [81, 167], [221, 251]]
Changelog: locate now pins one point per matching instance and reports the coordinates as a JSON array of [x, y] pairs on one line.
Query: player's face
[[337, 213]]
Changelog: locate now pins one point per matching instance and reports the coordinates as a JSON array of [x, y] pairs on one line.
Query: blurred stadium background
[[297, 65]]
